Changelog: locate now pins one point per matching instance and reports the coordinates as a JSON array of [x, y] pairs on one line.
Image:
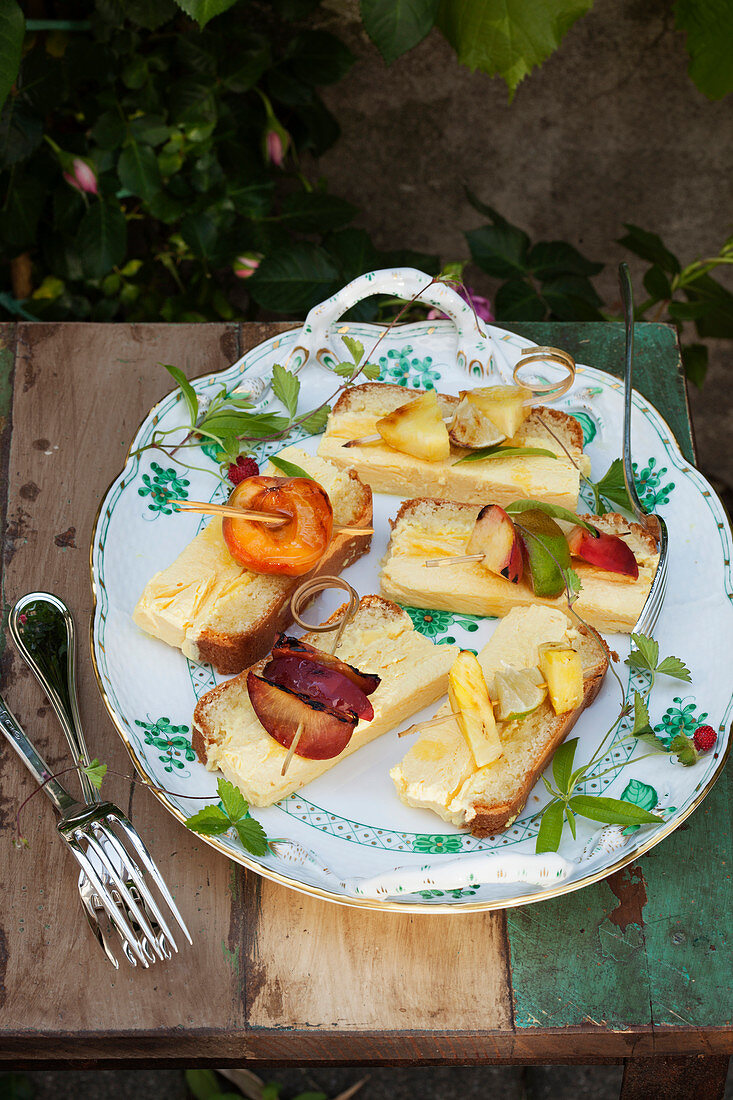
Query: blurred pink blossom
[[82, 177], [274, 148], [481, 306], [245, 265]]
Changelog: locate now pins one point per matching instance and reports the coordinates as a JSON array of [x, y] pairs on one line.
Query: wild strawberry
[[243, 468], [704, 738]]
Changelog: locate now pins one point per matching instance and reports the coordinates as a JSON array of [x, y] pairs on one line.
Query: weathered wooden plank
[[675, 1078], [80, 393], [310, 963]]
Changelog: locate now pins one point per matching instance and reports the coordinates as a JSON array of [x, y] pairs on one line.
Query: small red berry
[[243, 468], [704, 738]]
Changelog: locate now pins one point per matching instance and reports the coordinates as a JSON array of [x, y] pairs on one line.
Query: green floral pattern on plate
[[163, 487], [467, 892], [405, 369], [173, 740], [680, 718], [649, 484], [435, 843], [436, 624]]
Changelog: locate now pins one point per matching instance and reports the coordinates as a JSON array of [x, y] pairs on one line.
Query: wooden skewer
[[206, 508], [291, 750], [459, 559], [432, 722]]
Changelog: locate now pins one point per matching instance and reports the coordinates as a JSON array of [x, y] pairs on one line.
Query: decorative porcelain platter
[[346, 837]]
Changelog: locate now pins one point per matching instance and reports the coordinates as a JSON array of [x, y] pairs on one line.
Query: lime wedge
[[518, 692]]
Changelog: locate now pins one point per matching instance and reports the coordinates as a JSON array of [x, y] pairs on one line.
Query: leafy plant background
[[200, 125]]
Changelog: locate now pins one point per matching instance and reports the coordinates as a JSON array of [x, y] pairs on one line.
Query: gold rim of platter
[[315, 891]]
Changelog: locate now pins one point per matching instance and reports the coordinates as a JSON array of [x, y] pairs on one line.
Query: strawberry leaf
[[683, 748], [252, 836], [95, 773], [211, 821], [355, 349], [673, 666], [642, 723], [646, 653], [286, 388], [613, 487], [234, 803]]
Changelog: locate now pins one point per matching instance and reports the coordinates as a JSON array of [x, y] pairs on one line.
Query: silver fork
[[651, 522], [42, 628], [90, 834]]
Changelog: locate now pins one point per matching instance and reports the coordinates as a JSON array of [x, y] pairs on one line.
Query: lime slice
[[518, 692]]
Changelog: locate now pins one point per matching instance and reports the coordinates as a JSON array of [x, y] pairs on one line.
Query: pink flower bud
[[82, 177], [246, 265], [274, 148]]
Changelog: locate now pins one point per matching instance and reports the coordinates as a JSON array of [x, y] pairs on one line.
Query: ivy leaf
[[694, 360], [562, 764], [12, 32], [612, 811], [499, 250], [683, 748], [316, 421], [650, 247], [293, 278], [204, 10], [550, 510], [290, 469], [548, 838], [355, 349], [138, 171], [673, 666], [517, 300], [612, 485], [549, 259], [646, 653], [211, 821], [189, 393], [286, 388], [395, 26], [95, 773], [709, 26], [497, 451], [101, 240], [507, 37]]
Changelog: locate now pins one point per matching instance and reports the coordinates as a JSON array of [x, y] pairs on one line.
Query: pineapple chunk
[[506, 406], [468, 693], [563, 672], [472, 429], [417, 429]]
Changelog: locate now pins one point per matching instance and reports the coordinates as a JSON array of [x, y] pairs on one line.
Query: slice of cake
[[214, 610], [380, 639], [501, 480], [425, 529], [439, 772]]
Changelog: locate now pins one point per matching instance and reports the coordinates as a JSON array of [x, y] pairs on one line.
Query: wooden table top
[[637, 965]]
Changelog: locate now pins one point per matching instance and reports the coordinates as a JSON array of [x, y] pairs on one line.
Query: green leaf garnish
[[642, 724], [673, 666], [497, 451], [291, 469], [554, 510], [646, 653], [612, 811], [213, 820], [548, 838], [613, 487], [355, 349], [286, 388], [562, 763], [95, 772], [189, 393], [316, 421], [683, 748], [371, 371]]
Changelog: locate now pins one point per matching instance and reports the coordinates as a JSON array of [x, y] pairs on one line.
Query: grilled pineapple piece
[[417, 429], [505, 406], [563, 672], [468, 694], [472, 428]]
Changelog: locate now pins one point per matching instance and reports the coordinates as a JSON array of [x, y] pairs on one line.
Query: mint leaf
[[316, 421], [548, 838], [289, 468], [211, 821], [355, 349], [252, 836], [189, 393], [683, 748], [612, 811], [642, 724], [497, 451], [550, 510], [371, 371], [673, 666], [286, 388], [613, 487], [95, 772], [562, 764], [646, 653], [234, 803]]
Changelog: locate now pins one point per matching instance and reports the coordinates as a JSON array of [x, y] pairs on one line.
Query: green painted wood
[[651, 945], [658, 370]]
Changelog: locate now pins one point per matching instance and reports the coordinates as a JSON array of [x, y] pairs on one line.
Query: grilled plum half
[[285, 646], [325, 731]]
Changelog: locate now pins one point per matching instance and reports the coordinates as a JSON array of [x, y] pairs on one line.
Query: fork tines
[[91, 833]]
